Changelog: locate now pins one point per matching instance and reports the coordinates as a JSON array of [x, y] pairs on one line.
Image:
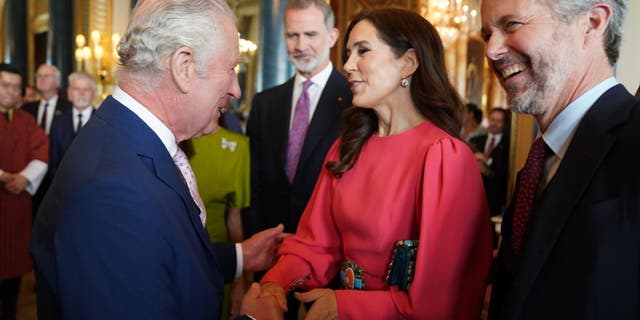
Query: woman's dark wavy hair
[[431, 91]]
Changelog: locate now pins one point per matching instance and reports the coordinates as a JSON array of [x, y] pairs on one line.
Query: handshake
[[268, 301]]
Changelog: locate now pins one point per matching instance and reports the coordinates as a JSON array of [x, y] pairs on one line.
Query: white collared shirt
[[168, 140], [561, 130], [86, 113], [315, 90]]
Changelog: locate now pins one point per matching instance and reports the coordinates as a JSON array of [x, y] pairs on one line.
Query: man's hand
[[324, 304], [17, 184], [259, 251], [6, 177], [260, 307], [276, 291]]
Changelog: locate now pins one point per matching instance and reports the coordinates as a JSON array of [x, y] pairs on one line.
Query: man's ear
[[183, 68], [598, 17], [333, 36], [410, 63]]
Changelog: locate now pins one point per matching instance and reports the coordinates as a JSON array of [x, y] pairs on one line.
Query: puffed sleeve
[[454, 253], [311, 257]]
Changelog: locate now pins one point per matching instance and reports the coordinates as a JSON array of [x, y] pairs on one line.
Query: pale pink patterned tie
[[298, 131], [181, 161], [527, 185]]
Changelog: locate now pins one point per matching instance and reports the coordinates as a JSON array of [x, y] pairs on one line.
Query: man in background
[[571, 239], [24, 153], [492, 152], [65, 126], [120, 234], [471, 123], [50, 104], [288, 146], [44, 110]]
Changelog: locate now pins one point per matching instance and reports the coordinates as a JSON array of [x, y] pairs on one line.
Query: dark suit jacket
[[273, 199], [495, 182], [119, 237], [580, 257], [62, 106], [60, 137]]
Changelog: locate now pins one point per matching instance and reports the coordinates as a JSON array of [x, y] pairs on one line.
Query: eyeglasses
[[7, 86], [44, 75]]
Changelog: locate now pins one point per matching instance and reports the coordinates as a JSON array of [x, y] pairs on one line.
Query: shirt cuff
[[239, 262], [34, 172]]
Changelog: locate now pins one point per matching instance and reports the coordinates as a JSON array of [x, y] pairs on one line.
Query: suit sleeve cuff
[[239, 262]]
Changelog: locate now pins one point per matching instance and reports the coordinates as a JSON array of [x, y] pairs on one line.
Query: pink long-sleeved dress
[[419, 184]]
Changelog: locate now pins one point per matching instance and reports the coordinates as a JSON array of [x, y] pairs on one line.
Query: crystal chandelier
[[450, 18]]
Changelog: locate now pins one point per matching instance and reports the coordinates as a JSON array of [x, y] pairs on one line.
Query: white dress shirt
[[561, 130]]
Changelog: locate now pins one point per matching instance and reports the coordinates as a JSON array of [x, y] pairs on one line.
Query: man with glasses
[[44, 110]]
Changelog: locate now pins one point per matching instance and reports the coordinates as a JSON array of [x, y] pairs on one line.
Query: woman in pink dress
[[398, 173]]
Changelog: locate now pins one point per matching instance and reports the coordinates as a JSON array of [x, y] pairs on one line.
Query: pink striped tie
[[181, 161], [298, 131]]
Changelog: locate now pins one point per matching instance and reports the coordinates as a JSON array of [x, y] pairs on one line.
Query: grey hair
[[568, 9], [327, 12], [160, 27], [82, 76], [56, 72]]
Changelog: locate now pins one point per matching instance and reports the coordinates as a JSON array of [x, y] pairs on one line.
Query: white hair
[[82, 76], [568, 9], [160, 27]]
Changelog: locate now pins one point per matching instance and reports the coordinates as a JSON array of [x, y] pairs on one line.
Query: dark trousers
[[9, 289]]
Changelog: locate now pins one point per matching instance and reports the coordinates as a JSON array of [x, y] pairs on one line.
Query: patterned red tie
[[298, 131], [527, 185]]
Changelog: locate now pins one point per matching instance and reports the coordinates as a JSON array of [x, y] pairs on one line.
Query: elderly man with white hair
[[120, 234]]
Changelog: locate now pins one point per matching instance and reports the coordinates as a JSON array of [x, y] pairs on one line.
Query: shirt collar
[[165, 135], [51, 102], [562, 128], [319, 79], [86, 112]]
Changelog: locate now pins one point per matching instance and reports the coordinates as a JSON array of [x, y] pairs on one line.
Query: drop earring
[[405, 82]]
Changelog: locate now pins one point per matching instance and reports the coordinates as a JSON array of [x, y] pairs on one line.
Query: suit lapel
[[153, 153], [326, 114], [280, 118], [590, 145]]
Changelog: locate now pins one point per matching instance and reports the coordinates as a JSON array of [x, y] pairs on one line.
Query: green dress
[[221, 166]]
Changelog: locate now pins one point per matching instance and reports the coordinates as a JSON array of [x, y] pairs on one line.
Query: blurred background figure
[[24, 153], [471, 122], [65, 126], [44, 110], [29, 95], [492, 153]]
